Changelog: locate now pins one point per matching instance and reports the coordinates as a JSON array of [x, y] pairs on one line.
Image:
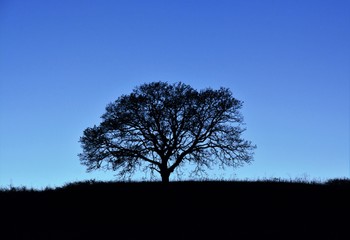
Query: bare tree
[[161, 126]]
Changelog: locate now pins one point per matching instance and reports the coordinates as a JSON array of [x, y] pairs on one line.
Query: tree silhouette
[[161, 126]]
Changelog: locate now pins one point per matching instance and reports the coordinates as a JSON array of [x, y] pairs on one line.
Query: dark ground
[[181, 210]]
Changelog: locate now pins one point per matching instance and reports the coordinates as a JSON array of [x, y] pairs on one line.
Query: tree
[[160, 126]]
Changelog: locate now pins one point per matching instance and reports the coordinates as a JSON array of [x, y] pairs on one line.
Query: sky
[[62, 62]]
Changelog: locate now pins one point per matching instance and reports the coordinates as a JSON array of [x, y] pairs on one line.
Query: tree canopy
[[160, 127]]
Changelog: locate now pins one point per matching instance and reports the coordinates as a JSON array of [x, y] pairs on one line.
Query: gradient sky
[[62, 62]]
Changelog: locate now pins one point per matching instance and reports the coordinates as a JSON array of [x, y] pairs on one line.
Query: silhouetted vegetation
[[180, 210], [159, 127]]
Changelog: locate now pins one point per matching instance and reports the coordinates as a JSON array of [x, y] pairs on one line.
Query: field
[[179, 210]]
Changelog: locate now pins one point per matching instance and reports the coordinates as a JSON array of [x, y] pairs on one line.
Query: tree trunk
[[165, 176]]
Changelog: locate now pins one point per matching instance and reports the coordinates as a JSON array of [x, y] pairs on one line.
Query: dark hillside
[[181, 210]]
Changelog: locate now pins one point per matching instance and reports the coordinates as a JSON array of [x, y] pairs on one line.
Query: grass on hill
[[180, 210]]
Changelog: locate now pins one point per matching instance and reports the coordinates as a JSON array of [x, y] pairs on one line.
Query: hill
[[179, 210]]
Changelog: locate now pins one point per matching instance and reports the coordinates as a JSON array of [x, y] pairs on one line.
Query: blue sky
[[62, 62]]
